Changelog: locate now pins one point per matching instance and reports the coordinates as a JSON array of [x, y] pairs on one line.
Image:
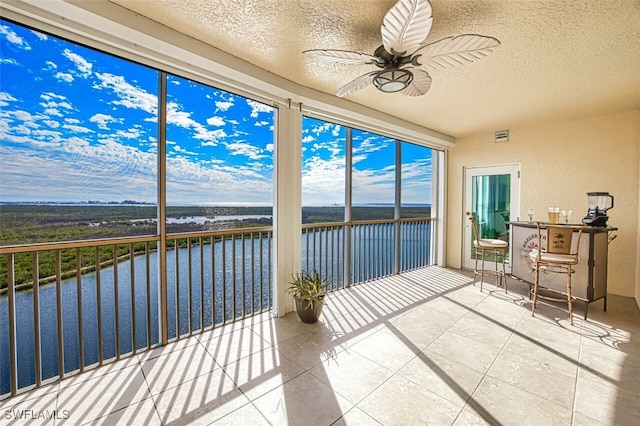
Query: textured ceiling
[[559, 60]]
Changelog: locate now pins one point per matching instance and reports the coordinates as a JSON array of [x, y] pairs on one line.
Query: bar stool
[[491, 249], [559, 256]]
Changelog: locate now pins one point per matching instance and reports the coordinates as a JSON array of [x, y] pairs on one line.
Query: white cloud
[[40, 35], [5, 98], [23, 115], [215, 121], [50, 95], [52, 123], [224, 105], [10, 61], [83, 66], [183, 119], [64, 76], [308, 138], [129, 95], [77, 129], [14, 38], [132, 133], [269, 147], [370, 145], [245, 149], [258, 107], [323, 181], [52, 65], [261, 123], [103, 120]]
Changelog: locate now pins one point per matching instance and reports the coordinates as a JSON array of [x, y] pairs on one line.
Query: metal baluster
[[243, 277], [116, 302], [148, 285], [213, 281], [59, 314], [253, 277], [176, 245], [190, 287], [269, 276], [35, 277], [79, 305], [233, 274], [13, 344], [200, 241], [262, 270], [224, 279], [132, 289], [99, 305]]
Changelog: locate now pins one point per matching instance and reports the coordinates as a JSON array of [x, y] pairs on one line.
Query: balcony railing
[[374, 251], [88, 303]]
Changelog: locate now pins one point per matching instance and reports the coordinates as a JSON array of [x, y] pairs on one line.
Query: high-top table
[[589, 282]]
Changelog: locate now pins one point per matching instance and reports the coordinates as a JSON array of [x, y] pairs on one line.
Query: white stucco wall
[[560, 162]]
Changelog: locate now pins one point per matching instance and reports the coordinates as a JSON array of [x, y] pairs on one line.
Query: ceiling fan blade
[[405, 26], [342, 56], [420, 84], [356, 84], [453, 51]]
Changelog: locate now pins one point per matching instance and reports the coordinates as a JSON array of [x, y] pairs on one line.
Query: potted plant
[[308, 290]]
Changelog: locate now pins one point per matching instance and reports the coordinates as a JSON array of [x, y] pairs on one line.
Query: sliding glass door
[[492, 194]]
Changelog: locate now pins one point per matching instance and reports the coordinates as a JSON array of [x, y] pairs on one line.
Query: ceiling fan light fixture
[[390, 81]]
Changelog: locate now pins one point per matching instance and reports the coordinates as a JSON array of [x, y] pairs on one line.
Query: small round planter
[[311, 314]]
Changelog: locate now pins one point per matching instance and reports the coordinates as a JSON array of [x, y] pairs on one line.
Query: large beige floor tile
[[614, 371], [356, 416], [245, 415], [539, 378], [497, 402], [202, 400], [103, 395], [176, 346], [346, 332], [231, 347], [279, 330], [303, 400], [387, 347], [400, 401], [463, 350], [96, 371], [605, 402], [582, 420], [422, 326], [142, 413], [442, 376], [262, 372], [351, 375], [556, 354], [482, 329], [174, 368], [310, 350]]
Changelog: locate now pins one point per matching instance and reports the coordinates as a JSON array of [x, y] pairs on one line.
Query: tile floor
[[424, 347]]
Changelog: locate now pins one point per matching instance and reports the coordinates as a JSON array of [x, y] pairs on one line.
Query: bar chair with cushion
[[488, 249], [558, 255]]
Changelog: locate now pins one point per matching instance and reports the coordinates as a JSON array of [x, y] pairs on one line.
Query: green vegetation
[[33, 223]]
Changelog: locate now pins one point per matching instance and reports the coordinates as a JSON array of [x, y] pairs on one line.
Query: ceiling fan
[[403, 59]]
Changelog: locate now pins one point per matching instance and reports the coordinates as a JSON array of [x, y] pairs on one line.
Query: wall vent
[[502, 136]]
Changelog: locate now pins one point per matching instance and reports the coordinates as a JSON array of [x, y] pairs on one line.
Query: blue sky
[[80, 125]]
